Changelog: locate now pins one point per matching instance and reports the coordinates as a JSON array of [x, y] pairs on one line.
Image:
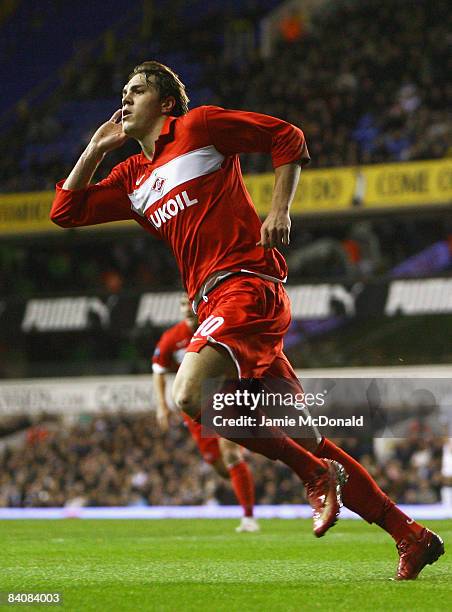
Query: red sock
[[398, 524], [275, 444], [362, 495], [279, 446], [243, 484]]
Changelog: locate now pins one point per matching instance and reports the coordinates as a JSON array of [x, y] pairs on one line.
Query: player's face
[[141, 106]]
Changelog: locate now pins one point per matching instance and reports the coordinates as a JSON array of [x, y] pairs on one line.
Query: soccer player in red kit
[[223, 455], [186, 188]]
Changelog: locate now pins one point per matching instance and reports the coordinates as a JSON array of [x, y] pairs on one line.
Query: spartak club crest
[[159, 184]]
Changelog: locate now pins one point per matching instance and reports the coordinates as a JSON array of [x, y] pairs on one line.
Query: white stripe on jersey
[[173, 174]]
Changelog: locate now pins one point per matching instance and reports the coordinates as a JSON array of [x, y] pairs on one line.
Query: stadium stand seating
[[125, 460], [359, 97]]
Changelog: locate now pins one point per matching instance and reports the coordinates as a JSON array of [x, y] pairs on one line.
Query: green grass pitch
[[114, 565]]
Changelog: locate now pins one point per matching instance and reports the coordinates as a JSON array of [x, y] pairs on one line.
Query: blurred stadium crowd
[[377, 92], [367, 83], [125, 460]]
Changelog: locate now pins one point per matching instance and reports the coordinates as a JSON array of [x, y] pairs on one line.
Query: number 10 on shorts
[[208, 326]]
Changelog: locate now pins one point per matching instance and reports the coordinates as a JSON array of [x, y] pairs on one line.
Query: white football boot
[[248, 523]]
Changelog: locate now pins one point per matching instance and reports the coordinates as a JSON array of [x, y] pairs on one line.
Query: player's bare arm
[[275, 230], [163, 411], [108, 136]]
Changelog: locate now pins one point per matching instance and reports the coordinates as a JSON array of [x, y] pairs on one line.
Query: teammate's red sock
[[243, 484], [362, 495]]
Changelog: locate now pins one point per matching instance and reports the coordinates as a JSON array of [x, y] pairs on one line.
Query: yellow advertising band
[[338, 189]]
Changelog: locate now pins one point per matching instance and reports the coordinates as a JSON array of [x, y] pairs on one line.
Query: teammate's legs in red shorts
[[227, 460], [206, 443]]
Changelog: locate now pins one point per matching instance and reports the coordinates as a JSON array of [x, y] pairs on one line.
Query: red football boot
[[415, 554], [325, 496]]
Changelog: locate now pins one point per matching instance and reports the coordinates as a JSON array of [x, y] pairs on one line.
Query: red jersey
[[171, 348], [192, 193]]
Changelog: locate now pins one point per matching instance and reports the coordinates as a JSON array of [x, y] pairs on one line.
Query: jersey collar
[[166, 135]]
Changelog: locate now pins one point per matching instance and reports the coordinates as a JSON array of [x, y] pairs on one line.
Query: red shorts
[[207, 444], [249, 317]]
